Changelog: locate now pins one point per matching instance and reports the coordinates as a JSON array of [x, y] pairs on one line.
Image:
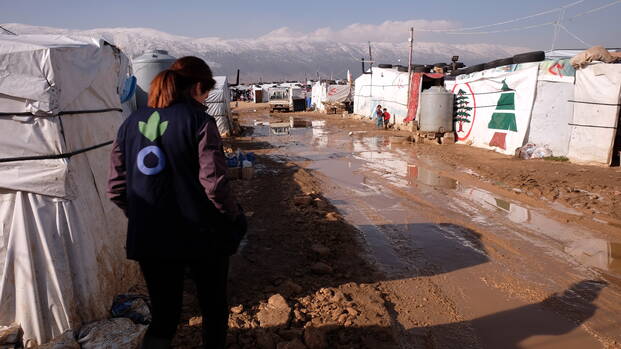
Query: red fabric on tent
[[416, 83]]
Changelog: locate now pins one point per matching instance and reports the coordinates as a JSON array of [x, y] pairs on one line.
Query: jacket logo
[[152, 130]]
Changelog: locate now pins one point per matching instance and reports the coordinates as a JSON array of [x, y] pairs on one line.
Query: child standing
[[386, 118]]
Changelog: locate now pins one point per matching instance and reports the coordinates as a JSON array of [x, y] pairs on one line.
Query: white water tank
[[146, 67], [436, 110]]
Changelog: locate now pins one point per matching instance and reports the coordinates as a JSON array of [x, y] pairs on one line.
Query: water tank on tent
[[146, 67], [436, 110]]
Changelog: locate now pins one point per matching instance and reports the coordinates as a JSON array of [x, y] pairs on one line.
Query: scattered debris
[[132, 306], [64, 341], [10, 335], [111, 333]]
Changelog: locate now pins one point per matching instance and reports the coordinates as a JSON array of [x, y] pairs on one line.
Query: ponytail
[[174, 84], [163, 91]]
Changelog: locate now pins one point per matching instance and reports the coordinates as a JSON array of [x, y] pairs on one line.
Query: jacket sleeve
[[212, 173], [117, 178]]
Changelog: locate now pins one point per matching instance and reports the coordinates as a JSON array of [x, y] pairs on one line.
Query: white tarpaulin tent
[[386, 87], [261, 91], [323, 93], [219, 104], [596, 113], [494, 107], [62, 255], [552, 111], [318, 95]]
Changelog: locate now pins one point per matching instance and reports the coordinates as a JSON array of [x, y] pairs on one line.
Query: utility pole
[[411, 39], [371, 69]]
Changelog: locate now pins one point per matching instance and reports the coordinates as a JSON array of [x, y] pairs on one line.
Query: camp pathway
[[459, 259]]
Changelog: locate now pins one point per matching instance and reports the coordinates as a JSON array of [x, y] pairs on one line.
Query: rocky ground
[[288, 288]]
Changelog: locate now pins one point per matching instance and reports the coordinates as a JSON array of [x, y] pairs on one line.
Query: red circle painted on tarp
[[474, 107]]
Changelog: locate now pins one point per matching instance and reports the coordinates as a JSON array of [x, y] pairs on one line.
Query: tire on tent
[[467, 70], [491, 65], [477, 68], [414, 66], [402, 69], [535, 56], [458, 72], [505, 61], [384, 65]]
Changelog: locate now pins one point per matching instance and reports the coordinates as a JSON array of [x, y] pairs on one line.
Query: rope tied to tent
[[68, 112], [66, 155], [56, 156]]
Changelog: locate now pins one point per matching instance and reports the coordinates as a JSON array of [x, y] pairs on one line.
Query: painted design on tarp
[[151, 159], [558, 68], [465, 110], [503, 117]]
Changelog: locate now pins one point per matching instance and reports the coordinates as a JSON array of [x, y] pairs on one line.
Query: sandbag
[[595, 53]]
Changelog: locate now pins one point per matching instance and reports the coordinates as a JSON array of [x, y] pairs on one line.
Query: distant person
[[377, 112], [379, 117], [168, 174], [386, 118]]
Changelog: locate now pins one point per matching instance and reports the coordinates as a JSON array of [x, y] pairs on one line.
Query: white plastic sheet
[[551, 116], [386, 87], [596, 114], [62, 256], [219, 104]]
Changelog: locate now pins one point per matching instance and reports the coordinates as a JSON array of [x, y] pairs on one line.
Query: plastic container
[[436, 110], [146, 67]]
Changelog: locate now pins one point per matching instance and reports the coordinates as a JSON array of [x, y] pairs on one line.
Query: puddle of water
[[597, 253], [363, 165]]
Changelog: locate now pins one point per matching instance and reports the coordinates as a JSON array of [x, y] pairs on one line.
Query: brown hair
[[175, 83]]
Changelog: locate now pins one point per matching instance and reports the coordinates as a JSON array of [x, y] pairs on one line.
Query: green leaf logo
[[152, 128]]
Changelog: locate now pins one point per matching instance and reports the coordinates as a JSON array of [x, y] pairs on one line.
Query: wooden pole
[[410, 64]]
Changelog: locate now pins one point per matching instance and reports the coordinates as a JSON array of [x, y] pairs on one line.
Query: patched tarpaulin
[[596, 113], [62, 256]]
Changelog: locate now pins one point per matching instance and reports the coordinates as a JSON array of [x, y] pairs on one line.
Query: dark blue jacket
[[168, 173]]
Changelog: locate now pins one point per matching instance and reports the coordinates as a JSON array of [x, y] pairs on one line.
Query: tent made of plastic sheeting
[[324, 93], [386, 87], [62, 255], [219, 105], [596, 114], [318, 95], [260, 94], [551, 116]]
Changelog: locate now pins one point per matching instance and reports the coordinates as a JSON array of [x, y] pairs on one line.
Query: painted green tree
[[462, 114], [504, 115]]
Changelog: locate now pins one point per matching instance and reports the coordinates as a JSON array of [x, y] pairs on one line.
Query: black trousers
[[165, 279]]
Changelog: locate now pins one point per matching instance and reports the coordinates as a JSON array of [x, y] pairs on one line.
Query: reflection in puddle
[[363, 165], [431, 178], [598, 253]]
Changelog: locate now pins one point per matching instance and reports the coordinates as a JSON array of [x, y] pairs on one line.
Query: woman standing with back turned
[[168, 174]]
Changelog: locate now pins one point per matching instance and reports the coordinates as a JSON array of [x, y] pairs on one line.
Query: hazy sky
[[341, 19]]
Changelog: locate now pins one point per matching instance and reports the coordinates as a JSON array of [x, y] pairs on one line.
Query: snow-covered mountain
[[280, 57]]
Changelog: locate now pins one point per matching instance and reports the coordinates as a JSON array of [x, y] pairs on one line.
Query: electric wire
[[505, 22], [7, 31]]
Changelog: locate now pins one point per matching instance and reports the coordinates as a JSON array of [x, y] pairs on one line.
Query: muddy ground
[[305, 279]]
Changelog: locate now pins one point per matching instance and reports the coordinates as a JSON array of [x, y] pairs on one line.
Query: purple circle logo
[[142, 157]]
